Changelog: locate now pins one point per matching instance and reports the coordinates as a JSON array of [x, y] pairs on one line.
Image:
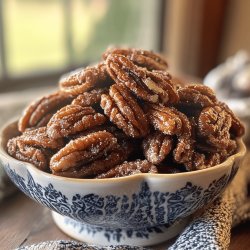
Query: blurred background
[[41, 39]]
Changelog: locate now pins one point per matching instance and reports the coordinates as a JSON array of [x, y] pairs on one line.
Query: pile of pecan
[[126, 115]]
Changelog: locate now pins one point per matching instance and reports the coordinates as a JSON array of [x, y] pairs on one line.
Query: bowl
[[143, 209]]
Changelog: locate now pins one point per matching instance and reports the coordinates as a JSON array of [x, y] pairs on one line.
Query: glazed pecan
[[82, 151], [85, 79], [117, 156], [39, 137], [197, 94], [149, 86], [89, 98], [38, 113], [20, 150], [164, 119], [156, 147], [73, 119], [237, 128], [122, 109], [213, 125], [142, 58], [129, 168]]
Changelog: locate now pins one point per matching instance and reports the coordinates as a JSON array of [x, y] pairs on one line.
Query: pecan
[[197, 94], [164, 119], [213, 125], [20, 150], [39, 112], [237, 128], [149, 86], [73, 119], [117, 156], [85, 79], [129, 168], [39, 137], [89, 98], [142, 58], [156, 147], [82, 151], [122, 109]]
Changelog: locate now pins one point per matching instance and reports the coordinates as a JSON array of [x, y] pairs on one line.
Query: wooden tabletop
[[25, 222]]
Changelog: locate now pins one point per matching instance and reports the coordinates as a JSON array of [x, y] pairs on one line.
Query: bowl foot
[[105, 236]]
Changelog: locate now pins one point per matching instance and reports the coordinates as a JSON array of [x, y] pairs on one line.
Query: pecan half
[[164, 119], [156, 147], [101, 165], [73, 119], [237, 128], [213, 126], [149, 86], [129, 168], [20, 150], [89, 98], [122, 109], [142, 58], [197, 94], [85, 79], [82, 151], [39, 137], [38, 112]]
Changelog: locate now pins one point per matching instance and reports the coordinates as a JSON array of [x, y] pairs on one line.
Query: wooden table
[[24, 222]]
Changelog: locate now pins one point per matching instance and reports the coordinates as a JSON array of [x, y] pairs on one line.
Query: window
[[41, 38]]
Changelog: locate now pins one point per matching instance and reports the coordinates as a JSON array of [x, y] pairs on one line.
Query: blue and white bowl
[[142, 209]]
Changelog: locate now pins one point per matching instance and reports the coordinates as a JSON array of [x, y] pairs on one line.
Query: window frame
[[47, 77]]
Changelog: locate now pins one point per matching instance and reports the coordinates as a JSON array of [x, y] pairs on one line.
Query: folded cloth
[[209, 229]]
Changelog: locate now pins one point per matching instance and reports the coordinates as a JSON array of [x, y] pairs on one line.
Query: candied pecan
[[122, 109], [85, 79], [117, 156], [89, 98], [143, 58], [164, 119], [185, 145], [73, 119], [213, 125], [39, 137], [149, 86], [130, 168], [237, 128], [83, 150], [20, 150], [197, 94], [156, 147], [38, 112]]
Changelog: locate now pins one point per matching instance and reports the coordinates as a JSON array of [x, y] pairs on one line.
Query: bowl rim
[[229, 161]]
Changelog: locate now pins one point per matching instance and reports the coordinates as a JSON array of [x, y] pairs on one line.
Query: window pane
[[99, 23], [34, 37]]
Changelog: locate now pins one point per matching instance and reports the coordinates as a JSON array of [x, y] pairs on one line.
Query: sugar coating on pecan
[[142, 58], [39, 111], [164, 119], [123, 110], [85, 79], [101, 165], [89, 98], [130, 168], [20, 150], [39, 137], [237, 128], [149, 86], [213, 125], [157, 146], [197, 94], [83, 150], [73, 119]]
